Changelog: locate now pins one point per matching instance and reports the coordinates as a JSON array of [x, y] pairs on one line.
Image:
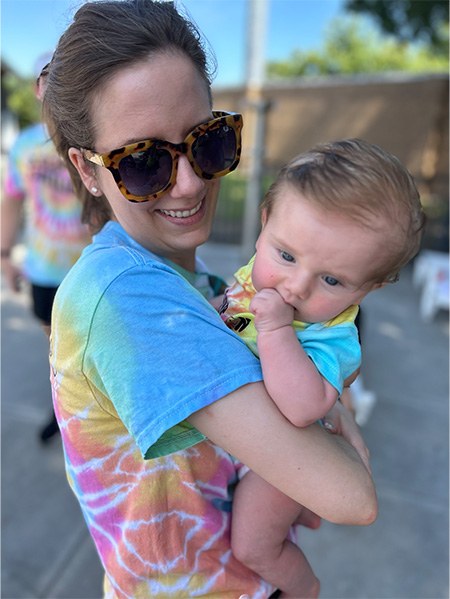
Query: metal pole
[[255, 112]]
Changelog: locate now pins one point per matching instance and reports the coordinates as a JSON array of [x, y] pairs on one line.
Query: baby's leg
[[262, 517]]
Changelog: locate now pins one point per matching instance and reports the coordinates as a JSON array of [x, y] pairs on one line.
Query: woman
[[153, 394]]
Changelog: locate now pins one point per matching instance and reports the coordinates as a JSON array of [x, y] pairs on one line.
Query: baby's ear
[[379, 285], [263, 217], [391, 279], [263, 224]]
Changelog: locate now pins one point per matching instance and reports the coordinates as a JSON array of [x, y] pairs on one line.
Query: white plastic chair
[[431, 274]]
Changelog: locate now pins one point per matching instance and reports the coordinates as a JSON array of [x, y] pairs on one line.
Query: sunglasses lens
[[145, 173], [215, 150]]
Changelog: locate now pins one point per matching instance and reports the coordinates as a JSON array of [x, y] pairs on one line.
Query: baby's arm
[[290, 377]]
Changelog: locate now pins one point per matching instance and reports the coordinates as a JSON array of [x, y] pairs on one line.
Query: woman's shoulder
[[113, 253], [112, 261], [113, 244]]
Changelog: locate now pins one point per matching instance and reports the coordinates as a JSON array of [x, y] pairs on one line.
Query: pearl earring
[[94, 190]]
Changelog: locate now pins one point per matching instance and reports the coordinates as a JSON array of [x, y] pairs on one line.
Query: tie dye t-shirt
[[54, 235], [135, 350], [333, 345]]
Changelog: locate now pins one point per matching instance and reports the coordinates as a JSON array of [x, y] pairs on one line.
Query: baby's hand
[[271, 311]]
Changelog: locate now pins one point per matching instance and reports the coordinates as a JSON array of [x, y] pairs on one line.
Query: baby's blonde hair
[[364, 182]]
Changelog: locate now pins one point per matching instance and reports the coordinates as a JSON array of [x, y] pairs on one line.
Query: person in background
[[39, 197], [339, 221], [156, 398]]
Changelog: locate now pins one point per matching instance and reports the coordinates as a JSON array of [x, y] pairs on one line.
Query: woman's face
[[163, 97]]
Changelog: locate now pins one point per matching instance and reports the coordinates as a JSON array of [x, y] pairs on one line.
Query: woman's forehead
[[163, 96]]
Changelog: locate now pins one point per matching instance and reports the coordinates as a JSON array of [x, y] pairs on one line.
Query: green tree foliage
[[351, 46], [20, 98], [409, 20]]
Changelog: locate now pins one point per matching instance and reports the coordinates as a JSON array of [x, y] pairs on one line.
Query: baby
[[339, 222]]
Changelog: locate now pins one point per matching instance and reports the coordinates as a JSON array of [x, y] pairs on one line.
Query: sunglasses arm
[[93, 157]]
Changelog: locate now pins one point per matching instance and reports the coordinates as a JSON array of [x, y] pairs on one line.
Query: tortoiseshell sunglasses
[[145, 170]]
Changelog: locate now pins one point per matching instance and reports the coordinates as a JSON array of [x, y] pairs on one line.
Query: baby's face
[[319, 262]]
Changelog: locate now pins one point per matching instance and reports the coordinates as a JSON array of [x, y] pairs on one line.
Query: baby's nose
[[300, 286]]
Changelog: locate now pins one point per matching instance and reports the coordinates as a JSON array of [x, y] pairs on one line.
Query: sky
[[30, 28]]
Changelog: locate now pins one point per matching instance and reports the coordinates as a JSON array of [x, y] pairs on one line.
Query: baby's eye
[[330, 281], [287, 256]]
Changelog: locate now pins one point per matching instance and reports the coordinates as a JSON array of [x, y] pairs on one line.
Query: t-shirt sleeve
[[172, 355], [335, 350]]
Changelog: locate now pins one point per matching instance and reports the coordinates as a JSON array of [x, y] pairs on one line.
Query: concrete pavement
[[47, 552]]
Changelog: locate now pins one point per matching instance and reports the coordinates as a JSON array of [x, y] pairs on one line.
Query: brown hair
[[363, 181], [104, 37]]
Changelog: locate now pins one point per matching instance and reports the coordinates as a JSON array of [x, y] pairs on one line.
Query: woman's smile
[[185, 216]]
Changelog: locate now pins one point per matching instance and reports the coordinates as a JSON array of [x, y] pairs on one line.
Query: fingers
[[329, 425], [362, 450], [267, 299], [340, 421], [270, 310]]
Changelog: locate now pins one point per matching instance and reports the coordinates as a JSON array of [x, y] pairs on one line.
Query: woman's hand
[[340, 421]]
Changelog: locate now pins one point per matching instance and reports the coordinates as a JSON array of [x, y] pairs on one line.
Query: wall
[[406, 115]]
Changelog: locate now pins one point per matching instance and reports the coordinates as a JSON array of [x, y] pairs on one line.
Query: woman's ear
[[85, 170]]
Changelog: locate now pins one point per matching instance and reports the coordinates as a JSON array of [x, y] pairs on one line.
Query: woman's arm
[[320, 471], [11, 216]]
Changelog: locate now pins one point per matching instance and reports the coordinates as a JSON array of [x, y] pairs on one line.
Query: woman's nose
[[187, 184]]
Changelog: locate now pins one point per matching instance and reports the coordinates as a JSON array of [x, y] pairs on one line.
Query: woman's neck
[[186, 262]]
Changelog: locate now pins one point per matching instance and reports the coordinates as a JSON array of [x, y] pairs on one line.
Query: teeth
[[182, 213]]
